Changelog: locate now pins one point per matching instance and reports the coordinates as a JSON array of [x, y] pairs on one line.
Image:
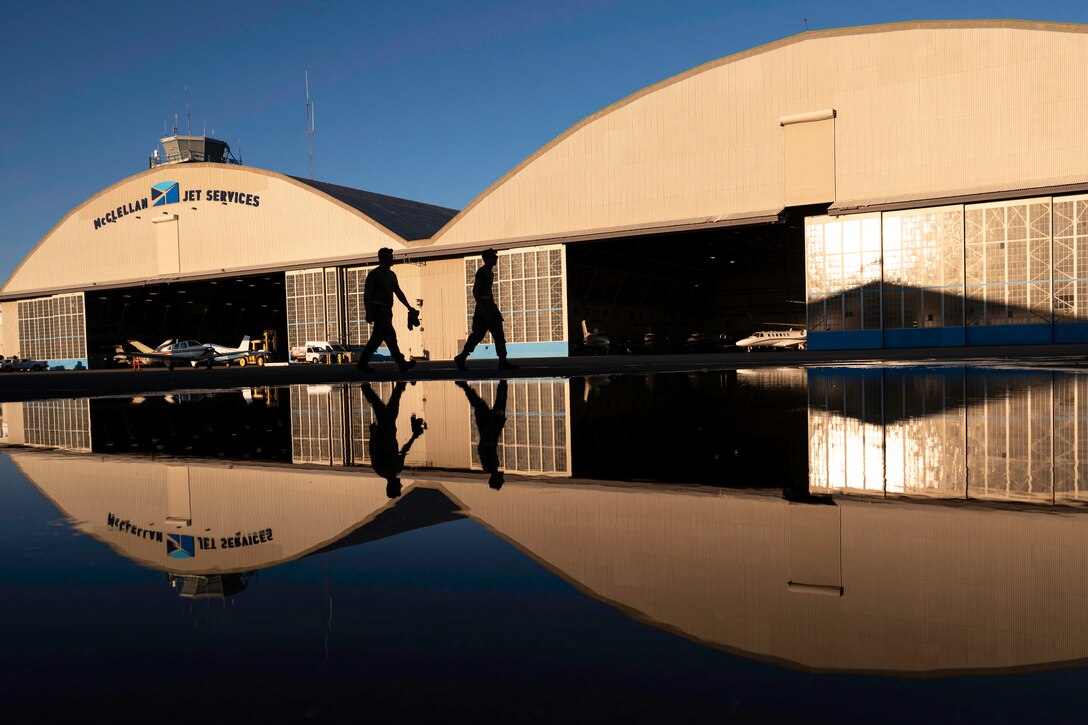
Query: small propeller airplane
[[595, 341], [195, 353]]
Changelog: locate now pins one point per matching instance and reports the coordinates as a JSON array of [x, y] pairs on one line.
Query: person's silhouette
[[487, 317], [378, 291], [386, 455], [490, 422]]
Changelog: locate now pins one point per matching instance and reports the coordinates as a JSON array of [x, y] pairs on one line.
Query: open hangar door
[[697, 286], [219, 311]]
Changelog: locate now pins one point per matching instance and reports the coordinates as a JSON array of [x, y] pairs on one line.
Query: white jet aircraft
[[782, 339], [195, 353]]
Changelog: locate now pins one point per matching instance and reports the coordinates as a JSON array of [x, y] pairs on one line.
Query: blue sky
[[423, 99]]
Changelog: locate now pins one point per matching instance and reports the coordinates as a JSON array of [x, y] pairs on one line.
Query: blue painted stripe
[[74, 363], [1070, 332], [924, 337], [1010, 334], [523, 349]]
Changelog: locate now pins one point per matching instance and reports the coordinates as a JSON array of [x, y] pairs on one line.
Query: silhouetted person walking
[[487, 317], [489, 421], [378, 290], [386, 456]]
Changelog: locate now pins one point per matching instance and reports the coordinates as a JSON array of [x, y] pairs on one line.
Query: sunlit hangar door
[[531, 288], [53, 329]]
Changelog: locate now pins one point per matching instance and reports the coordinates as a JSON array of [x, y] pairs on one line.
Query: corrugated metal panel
[[404, 217], [925, 110]]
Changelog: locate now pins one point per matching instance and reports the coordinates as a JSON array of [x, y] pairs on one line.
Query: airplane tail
[[585, 329], [140, 347], [244, 344]]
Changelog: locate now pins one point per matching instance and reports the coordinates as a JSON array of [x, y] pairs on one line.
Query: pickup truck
[[14, 364]]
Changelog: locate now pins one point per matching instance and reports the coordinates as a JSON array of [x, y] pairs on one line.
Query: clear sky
[[427, 99]]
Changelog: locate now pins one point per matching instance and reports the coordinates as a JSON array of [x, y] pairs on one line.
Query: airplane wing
[[197, 354], [228, 356], [144, 348]]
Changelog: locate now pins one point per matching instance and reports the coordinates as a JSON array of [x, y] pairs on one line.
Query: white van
[[320, 351], [314, 351]]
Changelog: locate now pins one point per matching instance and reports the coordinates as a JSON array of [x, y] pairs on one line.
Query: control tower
[[180, 149]]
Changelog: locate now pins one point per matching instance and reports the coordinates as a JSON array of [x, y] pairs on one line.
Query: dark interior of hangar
[[253, 426], [731, 280], [708, 429], [219, 311]]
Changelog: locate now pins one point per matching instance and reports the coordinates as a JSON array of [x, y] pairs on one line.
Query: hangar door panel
[[313, 305], [809, 158], [54, 329], [358, 329], [167, 253], [530, 287]]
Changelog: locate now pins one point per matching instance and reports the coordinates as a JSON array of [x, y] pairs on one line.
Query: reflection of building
[[900, 587], [890, 586], [244, 425], [62, 423], [210, 586], [950, 433], [204, 518], [331, 425], [318, 424], [789, 378]]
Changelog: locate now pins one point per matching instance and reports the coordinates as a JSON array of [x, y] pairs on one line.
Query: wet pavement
[[831, 543], [156, 379]]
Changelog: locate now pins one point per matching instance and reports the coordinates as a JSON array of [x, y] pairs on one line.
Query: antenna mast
[[309, 125], [188, 121]]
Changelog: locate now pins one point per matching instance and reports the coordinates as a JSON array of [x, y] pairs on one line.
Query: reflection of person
[[490, 422], [378, 290], [386, 456], [487, 317]]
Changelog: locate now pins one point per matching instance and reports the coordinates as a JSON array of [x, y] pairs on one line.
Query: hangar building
[[903, 185]]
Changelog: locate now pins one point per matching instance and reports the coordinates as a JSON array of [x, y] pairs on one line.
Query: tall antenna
[[188, 121], [309, 125]]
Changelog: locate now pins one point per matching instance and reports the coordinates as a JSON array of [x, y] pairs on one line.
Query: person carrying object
[[378, 291]]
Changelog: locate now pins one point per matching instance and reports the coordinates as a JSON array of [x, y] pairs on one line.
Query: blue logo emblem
[[165, 192], [179, 546]]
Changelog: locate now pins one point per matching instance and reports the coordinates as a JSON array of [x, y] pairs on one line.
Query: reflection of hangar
[[950, 433], [858, 586], [874, 169], [312, 424]]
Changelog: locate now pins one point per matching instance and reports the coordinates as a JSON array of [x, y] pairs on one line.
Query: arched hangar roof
[[194, 220], [916, 111]]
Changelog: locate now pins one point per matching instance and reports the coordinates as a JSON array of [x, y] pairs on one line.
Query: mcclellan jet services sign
[[169, 192]]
